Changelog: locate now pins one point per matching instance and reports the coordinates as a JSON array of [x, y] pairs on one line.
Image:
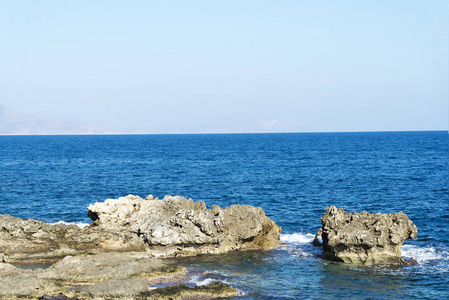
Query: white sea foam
[[79, 224], [221, 272], [199, 281], [299, 253], [297, 238], [424, 254]]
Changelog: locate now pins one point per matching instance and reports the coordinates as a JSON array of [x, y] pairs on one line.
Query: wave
[[79, 224], [424, 254], [297, 238], [296, 252], [200, 281], [299, 247]]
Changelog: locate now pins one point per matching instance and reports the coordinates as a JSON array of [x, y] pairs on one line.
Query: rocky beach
[[130, 249], [119, 255]]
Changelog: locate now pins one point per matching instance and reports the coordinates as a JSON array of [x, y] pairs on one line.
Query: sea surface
[[292, 176]]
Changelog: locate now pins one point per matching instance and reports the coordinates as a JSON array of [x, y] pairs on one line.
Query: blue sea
[[292, 176]]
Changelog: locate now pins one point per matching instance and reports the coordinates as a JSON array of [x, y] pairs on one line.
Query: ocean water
[[293, 177]]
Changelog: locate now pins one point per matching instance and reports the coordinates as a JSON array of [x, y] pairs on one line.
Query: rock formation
[[35, 240], [169, 227], [114, 258], [104, 276], [364, 238], [179, 226]]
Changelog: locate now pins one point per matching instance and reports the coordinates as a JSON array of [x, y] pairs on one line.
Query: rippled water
[[293, 177]]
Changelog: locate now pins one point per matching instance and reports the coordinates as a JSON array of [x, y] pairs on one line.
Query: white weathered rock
[[180, 226], [168, 227]]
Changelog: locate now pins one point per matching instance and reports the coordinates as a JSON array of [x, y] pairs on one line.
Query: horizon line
[[222, 133]]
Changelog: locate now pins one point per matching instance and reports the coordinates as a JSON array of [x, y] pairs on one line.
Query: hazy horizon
[[229, 67]]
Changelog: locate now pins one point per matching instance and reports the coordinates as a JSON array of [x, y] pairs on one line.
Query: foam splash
[[200, 281], [295, 252], [297, 238], [424, 254], [79, 224]]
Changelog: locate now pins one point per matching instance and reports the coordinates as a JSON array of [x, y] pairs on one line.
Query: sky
[[228, 66]]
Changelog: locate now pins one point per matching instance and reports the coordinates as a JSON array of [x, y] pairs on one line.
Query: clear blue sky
[[228, 66]]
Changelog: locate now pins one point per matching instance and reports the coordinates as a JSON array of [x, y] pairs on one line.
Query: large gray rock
[[179, 226], [169, 227], [364, 238]]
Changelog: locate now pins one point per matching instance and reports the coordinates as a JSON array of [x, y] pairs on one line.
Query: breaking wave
[[200, 281], [424, 254], [297, 238]]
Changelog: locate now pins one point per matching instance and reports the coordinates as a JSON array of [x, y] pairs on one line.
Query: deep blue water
[[293, 177]]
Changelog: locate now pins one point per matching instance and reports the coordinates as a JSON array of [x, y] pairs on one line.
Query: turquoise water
[[293, 177]]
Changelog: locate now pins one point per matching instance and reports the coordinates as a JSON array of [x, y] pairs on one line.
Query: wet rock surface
[[364, 238], [213, 290], [103, 276]]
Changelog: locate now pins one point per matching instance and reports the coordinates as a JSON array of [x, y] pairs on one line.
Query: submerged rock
[[364, 238], [213, 290], [178, 226]]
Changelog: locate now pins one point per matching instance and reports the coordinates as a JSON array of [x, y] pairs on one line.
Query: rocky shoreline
[[169, 227], [104, 276], [119, 255]]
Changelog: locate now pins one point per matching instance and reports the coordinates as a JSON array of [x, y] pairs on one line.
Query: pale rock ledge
[[175, 225]]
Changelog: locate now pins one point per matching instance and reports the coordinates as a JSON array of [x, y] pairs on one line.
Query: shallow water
[[293, 177]]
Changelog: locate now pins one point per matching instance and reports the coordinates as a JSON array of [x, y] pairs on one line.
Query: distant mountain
[[12, 123]]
